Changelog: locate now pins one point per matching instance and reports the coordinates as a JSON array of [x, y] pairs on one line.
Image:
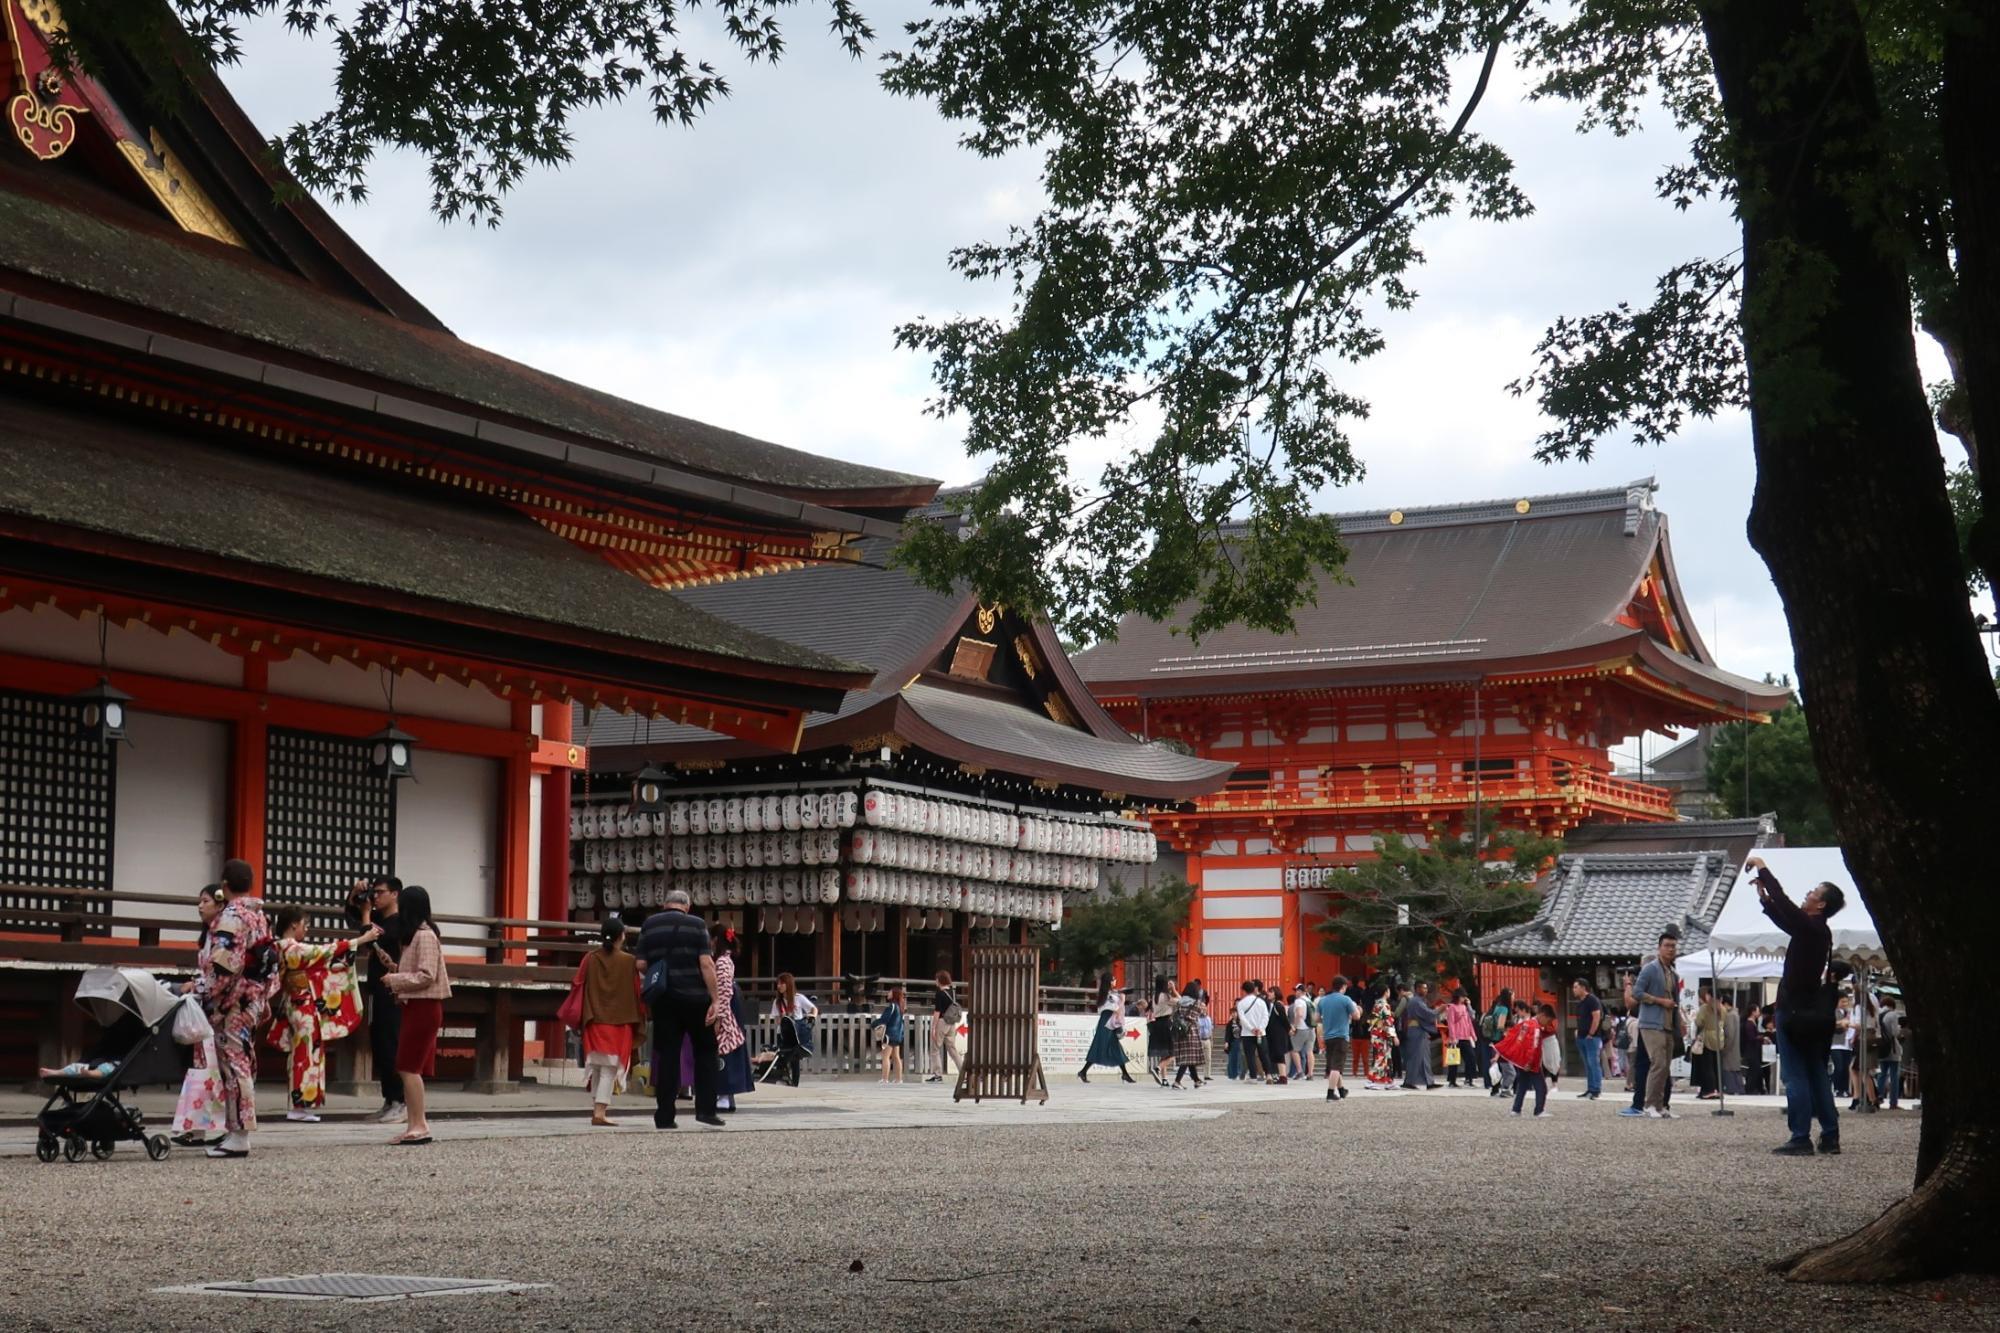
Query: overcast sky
[[750, 272]]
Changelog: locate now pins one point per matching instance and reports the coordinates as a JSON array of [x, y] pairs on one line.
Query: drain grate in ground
[[355, 1287]]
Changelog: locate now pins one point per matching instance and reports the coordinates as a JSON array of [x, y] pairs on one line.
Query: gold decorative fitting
[[1395, 516], [175, 189], [1058, 708], [698, 765], [1031, 662], [973, 770], [989, 616], [1521, 506]]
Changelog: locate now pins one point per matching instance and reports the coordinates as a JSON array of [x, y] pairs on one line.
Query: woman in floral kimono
[[236, 976], [198, 1114], [1382, 1037], [731, 1013], [318, 1002]]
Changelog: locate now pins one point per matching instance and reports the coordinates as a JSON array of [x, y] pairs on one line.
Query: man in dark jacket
[[1419, 1029], [684, 1004], [373, 902], [1805, 1018]]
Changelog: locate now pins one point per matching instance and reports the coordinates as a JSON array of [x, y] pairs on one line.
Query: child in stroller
[[85, 1110]]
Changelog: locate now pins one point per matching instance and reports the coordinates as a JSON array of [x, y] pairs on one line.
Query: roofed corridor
[[1571, 788]]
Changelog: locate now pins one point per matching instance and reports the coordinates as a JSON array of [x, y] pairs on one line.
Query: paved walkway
[[817, 1104], [1114, 1207]]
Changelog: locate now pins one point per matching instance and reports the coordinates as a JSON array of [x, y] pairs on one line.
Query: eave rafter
[[665, 546], [772, 727]]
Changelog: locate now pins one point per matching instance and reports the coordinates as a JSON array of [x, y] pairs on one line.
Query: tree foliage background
[[1421, 907], [1781, 776], [1099, 931]]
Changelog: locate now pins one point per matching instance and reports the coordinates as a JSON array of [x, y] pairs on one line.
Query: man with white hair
[[680, 977]]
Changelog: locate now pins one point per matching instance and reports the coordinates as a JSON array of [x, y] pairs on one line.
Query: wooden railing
[[1391, 787]]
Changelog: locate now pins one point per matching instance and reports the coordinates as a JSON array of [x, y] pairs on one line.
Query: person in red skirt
[[421, 986]]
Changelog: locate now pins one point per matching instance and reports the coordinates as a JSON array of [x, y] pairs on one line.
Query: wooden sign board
[[1003, 985]]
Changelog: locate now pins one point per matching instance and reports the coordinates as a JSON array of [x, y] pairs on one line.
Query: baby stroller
[[795, 1043], [137, 1014]]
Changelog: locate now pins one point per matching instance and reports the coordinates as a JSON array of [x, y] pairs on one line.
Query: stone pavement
[[817, 1104], [1114, 1207]]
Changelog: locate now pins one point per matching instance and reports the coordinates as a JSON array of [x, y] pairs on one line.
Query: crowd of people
[[258, 979]]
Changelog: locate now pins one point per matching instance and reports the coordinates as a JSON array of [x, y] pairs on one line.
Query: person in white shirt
[[1252, 1017], [1107, 1043]]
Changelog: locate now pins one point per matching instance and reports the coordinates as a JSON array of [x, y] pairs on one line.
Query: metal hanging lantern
[[649, 790], [104, 713], [391, 751]]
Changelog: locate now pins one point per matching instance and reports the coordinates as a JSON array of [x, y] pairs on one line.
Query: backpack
[[1621, 1036], [1489, 1026]]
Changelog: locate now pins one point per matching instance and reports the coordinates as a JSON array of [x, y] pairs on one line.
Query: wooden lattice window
[[57, 792], [329, 818]]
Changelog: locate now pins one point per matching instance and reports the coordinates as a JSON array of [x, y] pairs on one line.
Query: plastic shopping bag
[[191, 1024]]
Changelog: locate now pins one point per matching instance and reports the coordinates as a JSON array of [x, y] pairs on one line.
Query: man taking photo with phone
[[1806, 1005]]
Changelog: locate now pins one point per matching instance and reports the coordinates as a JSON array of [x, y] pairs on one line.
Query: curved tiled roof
[[64, 236], [1604, 906], [98, 475], [1442, 593]]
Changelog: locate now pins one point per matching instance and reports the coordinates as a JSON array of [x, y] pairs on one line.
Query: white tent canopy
[[1746, 944]]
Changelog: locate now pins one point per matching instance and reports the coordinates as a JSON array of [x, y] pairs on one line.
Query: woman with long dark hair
[[1491, 1029], [198, 1114], [1160, 1031], [1382, 1037], [421, 986], [792, 1010], [1107, 1041], [1190, 1048], [612, 1016], [732, 1017]]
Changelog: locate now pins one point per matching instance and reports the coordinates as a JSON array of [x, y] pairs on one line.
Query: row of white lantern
[[874, 884], [908, 851], [907, 812], [788, 920], [902, 812], [617, 893]]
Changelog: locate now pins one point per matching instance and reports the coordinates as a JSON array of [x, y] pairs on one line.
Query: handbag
[[570, 1013], [1453, 1057], [654, 988]]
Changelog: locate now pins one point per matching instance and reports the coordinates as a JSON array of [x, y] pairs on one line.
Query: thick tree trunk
[[1971, 108], [1851, 517]]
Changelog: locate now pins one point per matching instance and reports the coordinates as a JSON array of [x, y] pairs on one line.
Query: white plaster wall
[[172, 811], [534, 844], [1258, 939], [47, 632], [1243, 877], [448, 831], [1508, 725], [1244, 907], [1322, 845], [1221, 847], [1368, 731], [416, 696], [1318, 736]]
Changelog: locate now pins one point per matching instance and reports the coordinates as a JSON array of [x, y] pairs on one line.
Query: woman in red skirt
[[421, 986], [611, 1017]]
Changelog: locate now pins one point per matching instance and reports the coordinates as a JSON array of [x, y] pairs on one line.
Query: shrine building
[[290, 572], [968, 789], [1482, 657]]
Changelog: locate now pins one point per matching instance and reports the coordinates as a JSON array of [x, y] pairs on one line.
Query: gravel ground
[[1384, 1212]]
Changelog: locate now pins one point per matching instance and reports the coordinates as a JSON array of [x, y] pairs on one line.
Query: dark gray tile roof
[[130, 260], [1734, 838], [1440, 593], [1613, 905], [1004, 727], [142, 483]]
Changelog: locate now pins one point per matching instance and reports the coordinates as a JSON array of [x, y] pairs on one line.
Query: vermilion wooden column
[[510, 892], [1292, 954], [554, 904], [249, 775]]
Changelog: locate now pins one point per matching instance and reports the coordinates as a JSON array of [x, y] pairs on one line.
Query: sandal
[[410, 1141]]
